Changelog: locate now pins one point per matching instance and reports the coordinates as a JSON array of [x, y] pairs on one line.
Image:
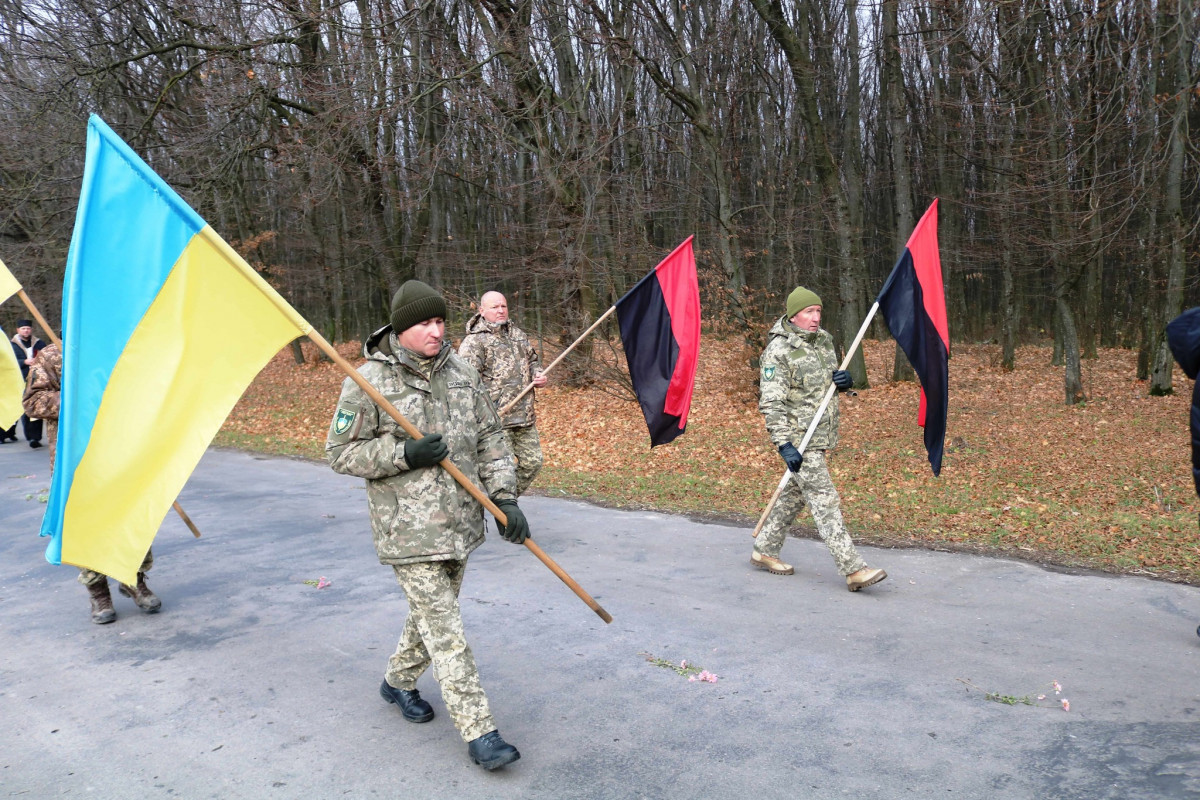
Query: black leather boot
[[491, 752], [102, 607], [411, 705]]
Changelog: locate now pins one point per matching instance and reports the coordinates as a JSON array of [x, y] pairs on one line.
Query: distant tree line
[[556, 149]]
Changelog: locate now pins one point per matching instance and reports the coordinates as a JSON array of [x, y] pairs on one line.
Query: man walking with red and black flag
[[798, 365]]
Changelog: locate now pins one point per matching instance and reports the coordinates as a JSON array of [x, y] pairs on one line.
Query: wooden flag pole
[[54, 338], [454, 471], [812, 426], [509, 406]]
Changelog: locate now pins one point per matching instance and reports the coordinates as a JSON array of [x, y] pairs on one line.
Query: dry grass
[[1105, 485]]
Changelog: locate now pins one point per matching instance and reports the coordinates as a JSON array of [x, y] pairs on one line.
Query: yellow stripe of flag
[[8, 283], [177, 379], [11, 386]]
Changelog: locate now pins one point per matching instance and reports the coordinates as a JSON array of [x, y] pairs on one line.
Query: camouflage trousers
[[433, 633], [814, 486], [90, 577], [526, 445]]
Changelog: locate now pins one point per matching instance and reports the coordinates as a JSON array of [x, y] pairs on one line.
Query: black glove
[[842, 379], [791, 456], [426, 451], [517, 529]]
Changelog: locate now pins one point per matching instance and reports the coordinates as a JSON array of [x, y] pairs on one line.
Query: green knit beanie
[[800, 299], [415, 302]]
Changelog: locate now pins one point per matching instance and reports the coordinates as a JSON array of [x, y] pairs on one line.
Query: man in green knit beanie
[[425, 524], [798, 366]]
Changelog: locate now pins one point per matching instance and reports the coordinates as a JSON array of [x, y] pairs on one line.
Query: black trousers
[[32, 428]]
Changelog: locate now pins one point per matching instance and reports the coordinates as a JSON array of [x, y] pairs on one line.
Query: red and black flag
[[914, 304], [660, 329]]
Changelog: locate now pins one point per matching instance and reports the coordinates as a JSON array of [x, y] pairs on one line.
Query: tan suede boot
[[863, 578], [772, 565], [102, 607], [146, 600]]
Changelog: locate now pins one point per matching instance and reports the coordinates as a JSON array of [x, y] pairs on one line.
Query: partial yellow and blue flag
[[8, 283], [149, 375], [11, 383]]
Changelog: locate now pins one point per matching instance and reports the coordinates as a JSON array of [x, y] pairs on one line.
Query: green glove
[[517, 529], [426, 451]]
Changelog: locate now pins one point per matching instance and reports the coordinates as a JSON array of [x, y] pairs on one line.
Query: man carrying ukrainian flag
[[41, 401]]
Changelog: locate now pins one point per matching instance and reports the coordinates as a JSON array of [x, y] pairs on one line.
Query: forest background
[[557, 149]]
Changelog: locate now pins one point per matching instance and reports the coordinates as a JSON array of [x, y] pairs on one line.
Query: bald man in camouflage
[[797, 367], [424, 523], [507, 362]]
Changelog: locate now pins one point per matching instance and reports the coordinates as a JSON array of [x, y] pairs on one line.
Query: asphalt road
[[253, 684]]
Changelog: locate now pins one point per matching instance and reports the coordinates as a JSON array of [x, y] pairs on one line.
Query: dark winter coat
[[1183, 335]]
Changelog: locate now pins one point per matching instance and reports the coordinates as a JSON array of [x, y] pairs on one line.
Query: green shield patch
[[768, 373], [343, 420]]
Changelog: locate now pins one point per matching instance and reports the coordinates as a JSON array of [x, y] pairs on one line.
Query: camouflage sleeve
[[352, 446], [497, 469], [472, 351], [41, 396], [535, 361], [773, 385]]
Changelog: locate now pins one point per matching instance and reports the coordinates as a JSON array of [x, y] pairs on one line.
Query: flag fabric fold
[[149, 374], [11, 383], [659, 320], [8, 283], [913, 303], [12, 386]]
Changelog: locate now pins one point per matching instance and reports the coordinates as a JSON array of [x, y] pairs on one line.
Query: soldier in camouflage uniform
[[507, 363], [41, 400], [797, 367], [424, 523]]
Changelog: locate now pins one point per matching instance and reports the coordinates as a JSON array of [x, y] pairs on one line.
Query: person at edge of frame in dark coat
[[798, 366], [424, 523], [26, 347], [1183, 337]]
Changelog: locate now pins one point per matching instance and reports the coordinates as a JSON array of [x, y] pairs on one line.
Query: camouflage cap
[[800, 299], [415, 302]]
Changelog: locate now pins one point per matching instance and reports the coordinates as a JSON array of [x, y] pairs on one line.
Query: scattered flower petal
[[1066, 704]]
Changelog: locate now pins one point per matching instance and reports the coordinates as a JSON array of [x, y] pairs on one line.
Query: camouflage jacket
[[797, 369], [420, 514], [507, 363], [42, 392]]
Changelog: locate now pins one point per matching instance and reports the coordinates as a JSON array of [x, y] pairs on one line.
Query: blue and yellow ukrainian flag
[[11, 384], [164, 327]]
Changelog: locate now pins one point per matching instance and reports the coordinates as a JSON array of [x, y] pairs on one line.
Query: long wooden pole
[[54, 338], [509, 406], [812, 426], [454, 471]]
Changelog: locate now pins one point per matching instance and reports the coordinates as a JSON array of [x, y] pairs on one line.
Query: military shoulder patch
[[768, 373], [344, 419]]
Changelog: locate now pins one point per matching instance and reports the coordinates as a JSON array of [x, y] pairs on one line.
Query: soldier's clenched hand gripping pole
[[812, 426], [454, 471], [54, 338]]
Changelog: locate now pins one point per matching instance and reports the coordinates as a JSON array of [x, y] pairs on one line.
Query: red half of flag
[[913, 302], [659, 320]]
